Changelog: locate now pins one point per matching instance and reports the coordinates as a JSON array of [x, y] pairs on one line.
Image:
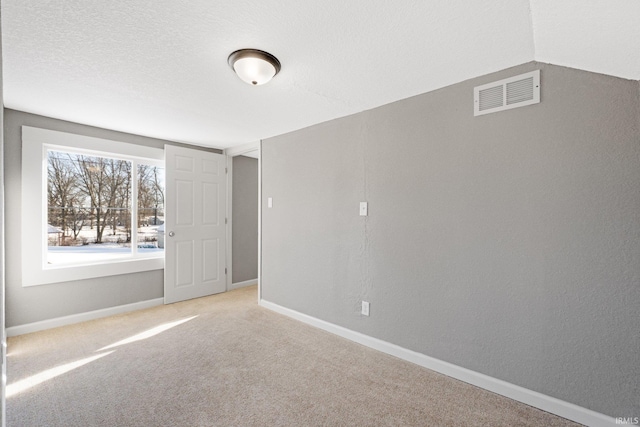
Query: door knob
[[171, 234]]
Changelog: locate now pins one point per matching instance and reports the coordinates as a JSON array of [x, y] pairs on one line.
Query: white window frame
[[35, 146]]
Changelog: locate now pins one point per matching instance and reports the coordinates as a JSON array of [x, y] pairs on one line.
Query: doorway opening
[[244, 213]]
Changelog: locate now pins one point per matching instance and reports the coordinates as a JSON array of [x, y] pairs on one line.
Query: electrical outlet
[[365, 308]]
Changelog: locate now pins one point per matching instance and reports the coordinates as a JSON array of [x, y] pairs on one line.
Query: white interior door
[[195, 230]]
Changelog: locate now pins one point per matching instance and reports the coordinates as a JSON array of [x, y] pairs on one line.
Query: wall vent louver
[[505, 94]]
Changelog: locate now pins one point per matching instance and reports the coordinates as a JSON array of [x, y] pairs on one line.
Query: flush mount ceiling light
[[254, 66]]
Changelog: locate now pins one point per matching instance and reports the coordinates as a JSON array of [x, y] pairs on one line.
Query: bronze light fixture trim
[[253, 66]]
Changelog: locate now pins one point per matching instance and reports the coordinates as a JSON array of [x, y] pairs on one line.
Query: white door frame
[[231, 153]]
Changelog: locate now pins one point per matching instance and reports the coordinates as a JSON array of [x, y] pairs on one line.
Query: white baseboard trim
[[243, 284], [512, 391], [81, 317]]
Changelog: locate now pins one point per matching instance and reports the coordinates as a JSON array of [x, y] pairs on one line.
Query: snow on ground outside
[[110, 250]]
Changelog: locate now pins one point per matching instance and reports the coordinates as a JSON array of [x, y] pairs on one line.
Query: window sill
[[37, 276]]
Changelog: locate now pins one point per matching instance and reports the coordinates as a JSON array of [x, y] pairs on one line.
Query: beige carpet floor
[[225, 361]]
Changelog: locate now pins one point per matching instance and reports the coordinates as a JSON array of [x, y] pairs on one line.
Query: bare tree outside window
[[150, 207], [90, 207]]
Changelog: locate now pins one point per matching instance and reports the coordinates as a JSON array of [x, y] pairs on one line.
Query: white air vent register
[[505, 94]]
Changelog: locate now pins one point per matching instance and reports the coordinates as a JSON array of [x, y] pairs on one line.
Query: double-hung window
[[91, 207]]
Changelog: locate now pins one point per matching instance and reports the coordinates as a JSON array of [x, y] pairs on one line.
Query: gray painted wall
[[245, 219], [36, 303], [3, 358], [508, 244]]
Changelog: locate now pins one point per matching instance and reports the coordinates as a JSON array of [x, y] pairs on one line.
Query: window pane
[[150, 208], [89, 208]]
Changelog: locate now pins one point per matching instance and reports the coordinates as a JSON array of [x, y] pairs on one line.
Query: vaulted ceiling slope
[[159, 68]]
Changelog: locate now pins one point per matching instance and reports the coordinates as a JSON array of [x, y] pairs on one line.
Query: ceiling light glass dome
[[256, 67]]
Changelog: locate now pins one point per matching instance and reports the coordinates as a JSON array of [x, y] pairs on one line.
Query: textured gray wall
[[3, 358], [508, 244], [36, 303], [245, 219]]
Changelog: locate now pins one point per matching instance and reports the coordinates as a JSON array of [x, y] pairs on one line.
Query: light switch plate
[[365, 308], [270, 202], [363, 208]]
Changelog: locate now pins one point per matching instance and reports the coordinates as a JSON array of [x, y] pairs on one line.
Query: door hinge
[[225, 220], [226, 170], [225, 270]]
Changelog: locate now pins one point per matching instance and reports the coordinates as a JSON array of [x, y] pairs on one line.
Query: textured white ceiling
[[159, 68], [602, 36]]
